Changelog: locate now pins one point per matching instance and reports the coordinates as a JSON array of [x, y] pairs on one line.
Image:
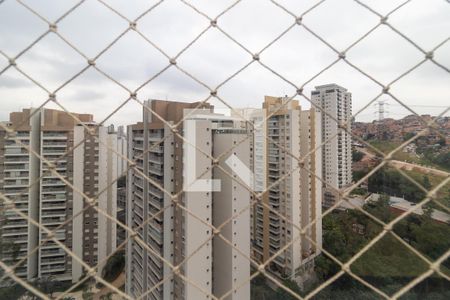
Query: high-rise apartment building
[[29, 182], [283, 134], [335, 103], [182, 236], [95, 163]]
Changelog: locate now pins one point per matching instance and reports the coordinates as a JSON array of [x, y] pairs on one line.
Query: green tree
[[107, 296], [357, 155], [47, 285], [291, 285], [426, 182], [114, 266], [391, 182], [87, 293]]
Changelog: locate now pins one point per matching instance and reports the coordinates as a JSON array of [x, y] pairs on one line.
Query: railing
[[37, 63]]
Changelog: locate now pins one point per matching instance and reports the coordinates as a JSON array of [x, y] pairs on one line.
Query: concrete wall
[[198, 267]]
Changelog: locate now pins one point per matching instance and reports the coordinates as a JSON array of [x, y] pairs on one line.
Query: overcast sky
[[297, 56]]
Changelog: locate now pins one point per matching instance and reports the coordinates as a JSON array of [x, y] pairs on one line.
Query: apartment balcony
[[139, 183], [155, 136], [155, 276], [16, 184], [13, 259], [12, 214], [54, 136], [50, 245], [15, 223], [52, 261], [156, 264], [58, 168], [274, 169], [50, 190], [54, 198], [274, 176], [52, 252], [274, 239], [156, 192], [156, 149], [155, 226], [274, 153], [51, 176], [47, 182], [157, 203], [52, 268], [279, 260], [154, 169], [13, 176], [137, 249], [16, 152], [155, 235], [19, 200], [137, 270], [53, 220], [15, 159], [138, 137], [158, 217], [138, 146], [55, 158], [155, 246], [156, 159], [138, 196], [52, 213], [274, 205], [274, 249], [53, 206], [11, 144], [16, 239], [138, 263], [273, 159], [21, 135], [138, 211], [274, 218], [58, 236], [16, 167], [13, 195], [157, 290], [22, 206], [54, 152], [52, 144]]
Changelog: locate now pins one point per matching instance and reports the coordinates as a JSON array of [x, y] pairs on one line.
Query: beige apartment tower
[[44, 197], [283, 134], [182, 236]]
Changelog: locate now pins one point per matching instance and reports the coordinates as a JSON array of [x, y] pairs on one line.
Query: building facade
[[335, 104], [95, 173], [164, 163], [29, 182], [282, 135]]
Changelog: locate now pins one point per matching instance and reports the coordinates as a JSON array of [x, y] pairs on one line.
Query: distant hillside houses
[[402, 129]]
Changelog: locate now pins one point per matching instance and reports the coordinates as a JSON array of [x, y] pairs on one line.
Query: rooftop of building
[[330, 86]]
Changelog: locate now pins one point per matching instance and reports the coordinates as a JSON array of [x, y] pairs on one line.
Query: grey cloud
[[254, 23]]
